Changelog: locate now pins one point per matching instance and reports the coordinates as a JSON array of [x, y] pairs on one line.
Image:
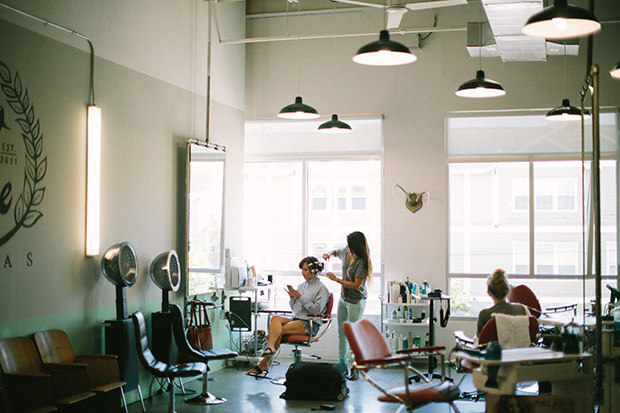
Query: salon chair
[[371, 350], [523, 294], [158, 368], [186, 351], [102, 371], [305, 340], [487, 335], [30, 387]]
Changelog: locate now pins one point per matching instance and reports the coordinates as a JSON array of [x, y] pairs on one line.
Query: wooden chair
[[371, 350], [159, 368], [188, 352], [305, 340], [101, 369], [32, 388]]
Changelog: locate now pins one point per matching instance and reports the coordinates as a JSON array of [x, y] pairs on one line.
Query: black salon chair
[[158, 368], [186, 351]]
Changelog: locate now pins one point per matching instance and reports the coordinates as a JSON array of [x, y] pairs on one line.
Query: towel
[[513, 330]]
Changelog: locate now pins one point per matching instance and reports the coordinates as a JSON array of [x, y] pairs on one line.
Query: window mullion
[[304, 213], [532, 217]]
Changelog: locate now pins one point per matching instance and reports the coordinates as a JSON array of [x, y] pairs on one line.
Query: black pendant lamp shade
[[298, 110], [480, 87], [561, 21], [384, 52], [335, 126], [566, 112], [615, 72]]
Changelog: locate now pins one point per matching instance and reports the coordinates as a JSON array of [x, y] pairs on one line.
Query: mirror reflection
[[205, 217]]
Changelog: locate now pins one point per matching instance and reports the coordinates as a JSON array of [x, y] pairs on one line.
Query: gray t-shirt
[[349, 273], [502, 307]]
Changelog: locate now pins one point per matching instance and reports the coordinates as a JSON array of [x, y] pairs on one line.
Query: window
[[515, 202], [307, 193]]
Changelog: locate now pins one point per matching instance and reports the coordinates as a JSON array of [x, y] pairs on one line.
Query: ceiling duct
[[481, 43], [506, 19]]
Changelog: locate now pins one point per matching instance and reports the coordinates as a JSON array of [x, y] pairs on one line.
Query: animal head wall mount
[[414, 200]]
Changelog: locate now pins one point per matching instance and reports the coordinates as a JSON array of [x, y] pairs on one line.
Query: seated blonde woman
[[497, 288]]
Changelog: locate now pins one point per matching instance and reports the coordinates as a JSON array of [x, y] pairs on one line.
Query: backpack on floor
[[316, 381]]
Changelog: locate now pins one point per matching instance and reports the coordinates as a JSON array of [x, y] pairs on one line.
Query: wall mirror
[[205, 218]]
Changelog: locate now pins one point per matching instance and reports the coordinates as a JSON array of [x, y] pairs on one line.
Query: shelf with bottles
[[403, 341], [407, 292], [405, 323], [406, 315]]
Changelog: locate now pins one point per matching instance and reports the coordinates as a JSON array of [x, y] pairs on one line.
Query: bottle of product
[[426, 287], [405, 313]]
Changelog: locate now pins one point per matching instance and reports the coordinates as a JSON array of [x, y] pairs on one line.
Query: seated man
[[310, 297], [497, 288]]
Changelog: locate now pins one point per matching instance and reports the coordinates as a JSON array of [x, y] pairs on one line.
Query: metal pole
[[596, 155]]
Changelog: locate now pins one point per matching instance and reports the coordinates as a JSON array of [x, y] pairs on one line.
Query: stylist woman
[[356, 272]]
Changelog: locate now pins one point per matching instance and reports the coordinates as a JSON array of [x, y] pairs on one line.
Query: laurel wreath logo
[[25, 214]]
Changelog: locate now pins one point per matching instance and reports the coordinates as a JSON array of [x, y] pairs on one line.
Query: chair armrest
[[561, 308], [101, 368], [68, 379], [463, 339], [435, 350], [87, 357], [321, 316], [392, 361], [276, 312]]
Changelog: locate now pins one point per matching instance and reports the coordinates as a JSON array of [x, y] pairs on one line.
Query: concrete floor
[[248, 394]]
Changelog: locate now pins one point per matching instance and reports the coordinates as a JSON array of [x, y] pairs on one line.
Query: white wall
[[414, 99], [150, 81]]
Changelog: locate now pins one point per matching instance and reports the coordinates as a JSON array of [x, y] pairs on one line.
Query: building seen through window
[[520, 206]]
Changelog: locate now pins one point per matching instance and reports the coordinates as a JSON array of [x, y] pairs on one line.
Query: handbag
[[199, 327]]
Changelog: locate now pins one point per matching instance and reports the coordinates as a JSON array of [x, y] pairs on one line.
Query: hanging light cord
[[91, 91], [298, 48], [479, 39], [334, 53], [565, 81]]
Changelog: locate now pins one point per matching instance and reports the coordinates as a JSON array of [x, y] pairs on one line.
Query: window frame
[[531, 159], [332, 205]]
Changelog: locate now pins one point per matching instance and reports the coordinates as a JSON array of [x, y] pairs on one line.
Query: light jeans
[[347, 312]]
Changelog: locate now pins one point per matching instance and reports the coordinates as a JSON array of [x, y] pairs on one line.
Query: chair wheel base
[[205, 399]]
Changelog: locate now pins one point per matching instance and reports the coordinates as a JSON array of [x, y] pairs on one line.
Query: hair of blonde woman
[[359, 246], [498, 285]]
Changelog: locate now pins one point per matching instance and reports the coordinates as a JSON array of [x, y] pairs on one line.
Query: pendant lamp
[[615, 72], [384, 52], [565, 112], [335, 126], [561, 21], [480, 87], [298, 110]]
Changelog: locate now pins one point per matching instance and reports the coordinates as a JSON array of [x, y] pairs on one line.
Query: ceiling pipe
[[341, 35]]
